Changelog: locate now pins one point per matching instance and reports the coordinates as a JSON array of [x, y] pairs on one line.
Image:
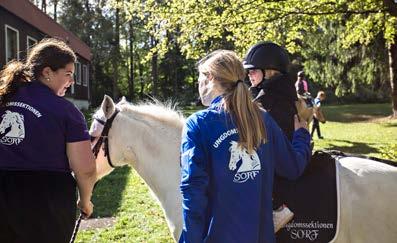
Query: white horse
[[15, 121], [147, 137]]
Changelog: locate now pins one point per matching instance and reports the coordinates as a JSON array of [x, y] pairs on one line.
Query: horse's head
[[235, 155], [7, 121], [99, 118]]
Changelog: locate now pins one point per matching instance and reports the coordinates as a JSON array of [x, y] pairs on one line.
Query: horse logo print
[[12, 125], [250, 163]]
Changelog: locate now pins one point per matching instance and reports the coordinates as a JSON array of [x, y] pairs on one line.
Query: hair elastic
[[237, 82]]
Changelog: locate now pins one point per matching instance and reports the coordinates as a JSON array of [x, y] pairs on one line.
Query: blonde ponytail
[[228, 73]]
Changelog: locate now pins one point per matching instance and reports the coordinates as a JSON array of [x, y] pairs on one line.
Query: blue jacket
[[225, 189]]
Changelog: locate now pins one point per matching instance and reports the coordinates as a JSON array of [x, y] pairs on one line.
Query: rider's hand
[[299, 124], [86, 208]]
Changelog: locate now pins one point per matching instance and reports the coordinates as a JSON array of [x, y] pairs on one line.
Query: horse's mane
[[155, 111]]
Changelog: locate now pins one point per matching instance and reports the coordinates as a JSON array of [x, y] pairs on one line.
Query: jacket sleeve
[[194, 183], [290, 159]]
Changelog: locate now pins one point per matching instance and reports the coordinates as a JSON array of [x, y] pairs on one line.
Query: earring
[[47, 79]]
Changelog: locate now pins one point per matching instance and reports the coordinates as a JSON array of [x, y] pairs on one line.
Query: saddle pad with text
[[313, 200]]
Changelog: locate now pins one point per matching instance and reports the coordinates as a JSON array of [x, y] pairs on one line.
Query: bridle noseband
[[104, 137]]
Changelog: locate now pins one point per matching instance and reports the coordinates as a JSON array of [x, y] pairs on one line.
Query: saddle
[[313, 200]]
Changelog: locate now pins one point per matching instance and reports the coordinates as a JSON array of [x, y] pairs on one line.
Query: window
[[30, 42], [12, 43], [77, 73], [85, 75]]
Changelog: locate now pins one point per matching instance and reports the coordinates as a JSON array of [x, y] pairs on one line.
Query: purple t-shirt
[[35, 126]]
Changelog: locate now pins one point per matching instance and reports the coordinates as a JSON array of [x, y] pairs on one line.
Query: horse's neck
[[155, 157], [160, 171]]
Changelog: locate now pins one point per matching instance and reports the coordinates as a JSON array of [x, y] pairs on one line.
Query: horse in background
[[148, 136]]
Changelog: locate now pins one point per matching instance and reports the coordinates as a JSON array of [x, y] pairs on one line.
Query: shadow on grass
[[356, 112], [108, 192], [390, 124], [352, 147]]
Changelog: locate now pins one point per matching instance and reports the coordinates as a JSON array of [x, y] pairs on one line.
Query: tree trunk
[[392, 9], [55, 2], [44, 6], [131, 83], [140, 71], [393, 74], [154, 74], [116, 56], [154, 65]]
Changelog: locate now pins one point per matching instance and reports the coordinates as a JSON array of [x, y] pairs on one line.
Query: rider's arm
[[290, 159], [82, 163], [194, 183]]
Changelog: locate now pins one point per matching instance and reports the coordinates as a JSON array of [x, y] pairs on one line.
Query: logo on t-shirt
[[12, 125], [250, 163]]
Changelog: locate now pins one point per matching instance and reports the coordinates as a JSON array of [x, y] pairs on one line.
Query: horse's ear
[[107, 106], [123, 101]]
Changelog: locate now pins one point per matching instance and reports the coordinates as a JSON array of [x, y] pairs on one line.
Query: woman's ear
[[46, 72]]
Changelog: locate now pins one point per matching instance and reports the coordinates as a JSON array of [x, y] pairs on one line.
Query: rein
[[105, 140]]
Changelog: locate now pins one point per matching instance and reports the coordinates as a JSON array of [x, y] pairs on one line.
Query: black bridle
[[104, 137]]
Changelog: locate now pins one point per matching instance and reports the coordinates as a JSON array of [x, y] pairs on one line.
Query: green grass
[[350, 128], [360, 129]]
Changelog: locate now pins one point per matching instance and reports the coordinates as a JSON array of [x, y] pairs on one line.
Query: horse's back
[[367, 201]]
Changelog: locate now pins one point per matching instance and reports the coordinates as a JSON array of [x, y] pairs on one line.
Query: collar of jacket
[[281, 85], [216, 102]]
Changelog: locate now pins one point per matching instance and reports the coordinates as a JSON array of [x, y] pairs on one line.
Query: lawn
[[360, 129]]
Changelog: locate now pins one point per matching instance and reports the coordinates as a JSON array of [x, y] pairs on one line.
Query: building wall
[[80, 91], [24, 29]]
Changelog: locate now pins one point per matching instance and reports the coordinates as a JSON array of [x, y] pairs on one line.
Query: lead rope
[[76, 227]]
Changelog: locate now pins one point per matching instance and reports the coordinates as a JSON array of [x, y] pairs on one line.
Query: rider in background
[[301, 84], [48, 140], [302, 89], [318, 114]]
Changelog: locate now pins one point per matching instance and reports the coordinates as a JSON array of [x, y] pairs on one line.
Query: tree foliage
[[342, 44]]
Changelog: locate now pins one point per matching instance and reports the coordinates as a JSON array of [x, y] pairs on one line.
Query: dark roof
[[27, 11]]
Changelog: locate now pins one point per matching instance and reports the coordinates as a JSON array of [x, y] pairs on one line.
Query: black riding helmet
[[266, 55]]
